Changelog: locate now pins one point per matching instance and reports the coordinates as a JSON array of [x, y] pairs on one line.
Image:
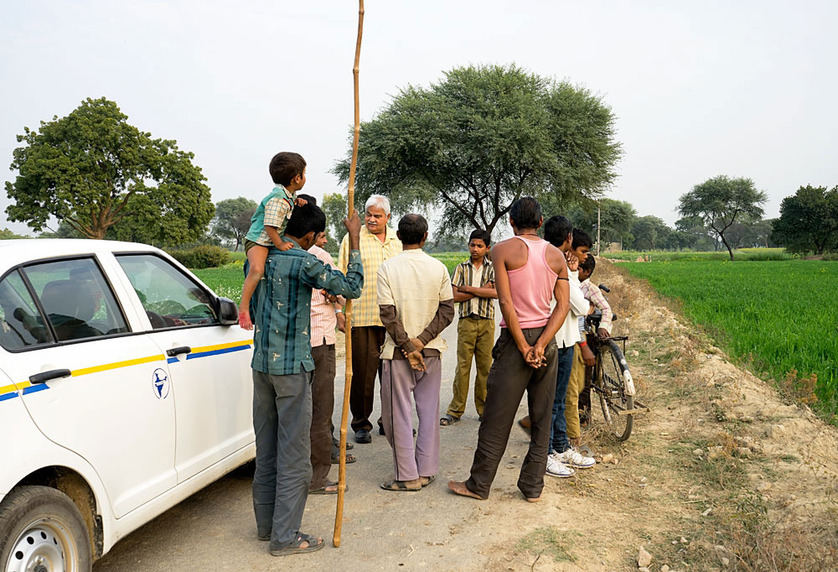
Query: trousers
[[281, 422], [474, 342], [400, 385], [509, 377]]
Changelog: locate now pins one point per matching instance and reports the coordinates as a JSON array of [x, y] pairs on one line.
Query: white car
[[125, 387]]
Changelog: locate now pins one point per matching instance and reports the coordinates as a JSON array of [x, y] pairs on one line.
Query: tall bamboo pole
[[350, 199]]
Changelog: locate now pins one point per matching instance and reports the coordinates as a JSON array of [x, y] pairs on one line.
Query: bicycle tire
[[611, 388]]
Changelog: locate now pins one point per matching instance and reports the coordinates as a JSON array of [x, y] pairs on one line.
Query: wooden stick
[[350, 199]]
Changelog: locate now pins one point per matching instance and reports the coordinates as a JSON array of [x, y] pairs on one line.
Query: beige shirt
[[415, 284], [373, 253]]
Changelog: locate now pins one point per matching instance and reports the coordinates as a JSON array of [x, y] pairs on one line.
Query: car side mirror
[[228, 312]]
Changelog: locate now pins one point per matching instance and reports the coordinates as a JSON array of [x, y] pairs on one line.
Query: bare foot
[[533, 499], [459, 487]]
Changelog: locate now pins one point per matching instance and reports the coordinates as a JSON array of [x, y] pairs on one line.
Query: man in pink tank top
[[529, 274]]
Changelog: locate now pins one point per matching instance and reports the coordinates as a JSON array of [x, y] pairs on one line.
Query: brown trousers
[[322, 407], [509, 377], [366, 351]]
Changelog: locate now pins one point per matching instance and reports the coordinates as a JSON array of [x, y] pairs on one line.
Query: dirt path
[[721, 473]]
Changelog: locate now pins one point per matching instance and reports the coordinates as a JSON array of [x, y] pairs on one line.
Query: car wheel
[[42, 530]]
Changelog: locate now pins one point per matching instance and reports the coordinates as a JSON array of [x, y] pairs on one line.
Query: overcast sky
[[699, 89]]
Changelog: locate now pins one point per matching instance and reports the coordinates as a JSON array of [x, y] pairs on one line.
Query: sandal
[[313, 543], [350, 458], [428, 480], [329, 488], [447, 420], [399, 486]]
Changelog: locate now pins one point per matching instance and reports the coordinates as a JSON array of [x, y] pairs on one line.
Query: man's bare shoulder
[[556, 260]]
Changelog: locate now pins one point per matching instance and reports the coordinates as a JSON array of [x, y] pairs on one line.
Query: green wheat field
[[779, 317]]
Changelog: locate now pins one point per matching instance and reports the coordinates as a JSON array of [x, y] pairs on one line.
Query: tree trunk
[[729, 250]]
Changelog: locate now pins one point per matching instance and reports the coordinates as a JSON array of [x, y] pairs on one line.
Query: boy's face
[[581, 253], [321, 240], [584, 274], [477, 248]]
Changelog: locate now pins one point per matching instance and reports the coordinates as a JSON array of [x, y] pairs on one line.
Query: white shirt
[[568, 334]]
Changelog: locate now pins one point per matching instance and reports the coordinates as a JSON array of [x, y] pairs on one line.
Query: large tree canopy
[[808, 220], [482, 138], [232, 218], [721, 202], [94, 171]]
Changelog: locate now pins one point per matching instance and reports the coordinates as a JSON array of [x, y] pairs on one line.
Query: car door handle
[[45, 376], [172, 352]]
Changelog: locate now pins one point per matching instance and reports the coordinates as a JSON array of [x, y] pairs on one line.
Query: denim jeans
[[558, 433], [281, 421]]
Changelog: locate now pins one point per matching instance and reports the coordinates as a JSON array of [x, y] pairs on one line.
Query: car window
[[170, 298], [76, 299], [21, 323]]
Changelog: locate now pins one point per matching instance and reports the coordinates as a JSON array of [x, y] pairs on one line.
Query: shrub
[[202, 256]]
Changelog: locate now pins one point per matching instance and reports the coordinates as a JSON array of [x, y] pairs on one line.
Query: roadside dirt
[[722, 474]]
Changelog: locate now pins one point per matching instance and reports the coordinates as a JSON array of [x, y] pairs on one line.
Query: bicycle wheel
[[611, 388]]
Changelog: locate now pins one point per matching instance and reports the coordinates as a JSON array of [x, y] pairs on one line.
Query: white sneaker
[[576, 459], [556, 468]]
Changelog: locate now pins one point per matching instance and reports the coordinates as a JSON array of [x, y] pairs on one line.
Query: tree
[[808, 221], [232, 218], [721, 202], [482, 138], [94, 171], [6, 234], [650, 232], [616, 218], [334, 207]]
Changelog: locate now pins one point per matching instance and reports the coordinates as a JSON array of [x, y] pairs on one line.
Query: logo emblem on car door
[[160, 383]]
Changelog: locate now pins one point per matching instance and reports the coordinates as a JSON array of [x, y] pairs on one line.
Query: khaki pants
[[574, 387], [475, 337]]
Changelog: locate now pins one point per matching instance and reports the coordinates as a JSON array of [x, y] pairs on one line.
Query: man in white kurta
[[416, 303]]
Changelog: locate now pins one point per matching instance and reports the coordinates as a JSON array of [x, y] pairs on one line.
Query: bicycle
[[611, 379]]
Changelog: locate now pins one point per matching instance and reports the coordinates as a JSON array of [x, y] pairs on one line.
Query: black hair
[[581, 238], [308, 198], [556, 230], [305, 219], [285, 166], [412, 228], [588, 264], [525, 213], [481, 234]]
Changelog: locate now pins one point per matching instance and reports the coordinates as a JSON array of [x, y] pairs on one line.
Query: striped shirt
[[464, 274], [594, 294], [323, 320], [281, 344], [373, 252], [274, 210]]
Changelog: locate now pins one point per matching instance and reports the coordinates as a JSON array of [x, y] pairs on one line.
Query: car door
[[209, 363], [89, 383]]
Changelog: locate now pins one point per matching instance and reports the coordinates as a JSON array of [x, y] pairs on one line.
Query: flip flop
[[350, 458], [447, 420], [313, 542], [399, 486], [431, 479]]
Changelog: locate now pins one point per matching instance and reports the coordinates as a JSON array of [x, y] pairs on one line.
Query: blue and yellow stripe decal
[[214, 350], [27, 387]]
